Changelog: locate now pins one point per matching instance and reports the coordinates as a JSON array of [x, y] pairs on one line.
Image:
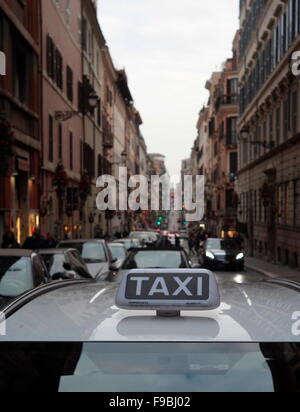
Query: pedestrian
[[50, 242], [191, 244], [177, 241], [35, 242], [9, 241]]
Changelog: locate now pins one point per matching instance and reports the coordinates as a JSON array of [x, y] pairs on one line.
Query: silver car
[[96, 256], [250, 343]]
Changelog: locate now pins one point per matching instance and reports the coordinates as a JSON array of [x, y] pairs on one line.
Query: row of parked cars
[[87, 260]]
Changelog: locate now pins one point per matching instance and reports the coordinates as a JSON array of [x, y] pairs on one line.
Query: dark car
[[97, 256], [157, 258], [222, 254], [20, 272], [64, 264]]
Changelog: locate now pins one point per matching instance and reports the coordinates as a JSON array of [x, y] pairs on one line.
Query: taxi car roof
[[16, 253], [250, 312]]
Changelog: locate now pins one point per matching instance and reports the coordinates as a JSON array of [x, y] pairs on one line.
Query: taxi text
[[159, 286]]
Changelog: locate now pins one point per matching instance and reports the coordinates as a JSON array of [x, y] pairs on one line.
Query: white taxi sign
[[169, 290]]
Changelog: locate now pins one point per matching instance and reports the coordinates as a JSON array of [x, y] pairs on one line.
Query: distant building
[[158, 163]]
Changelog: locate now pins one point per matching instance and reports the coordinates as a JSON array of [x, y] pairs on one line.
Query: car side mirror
[[67, 266], [115, 266]]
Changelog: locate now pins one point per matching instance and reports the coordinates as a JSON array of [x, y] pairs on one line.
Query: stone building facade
[[269, 131]]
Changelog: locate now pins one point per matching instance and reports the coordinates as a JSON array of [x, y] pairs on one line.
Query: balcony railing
[[227, 99]]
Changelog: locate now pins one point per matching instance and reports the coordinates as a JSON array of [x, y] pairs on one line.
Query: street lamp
[[93, 100], [90, 102], [244, 135]]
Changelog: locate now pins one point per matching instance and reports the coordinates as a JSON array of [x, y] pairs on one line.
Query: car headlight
[[210, 255], [240, 256]]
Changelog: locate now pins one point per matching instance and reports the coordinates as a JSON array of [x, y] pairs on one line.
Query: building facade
[[215, 151], [94, 125], [67, 116], [269, 130], [223, 135], [20, 122], [62, 123]]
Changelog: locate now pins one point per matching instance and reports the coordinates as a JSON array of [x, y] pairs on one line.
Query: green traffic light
[[158, 223]]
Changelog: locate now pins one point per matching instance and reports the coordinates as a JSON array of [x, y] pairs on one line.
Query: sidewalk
[[272, 270]]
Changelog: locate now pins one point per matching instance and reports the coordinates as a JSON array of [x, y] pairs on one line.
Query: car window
[[54, 263], [93, 252], [118, 252], [155, 259], [222, 244], [90, 251], [155, 367], [16, 276]]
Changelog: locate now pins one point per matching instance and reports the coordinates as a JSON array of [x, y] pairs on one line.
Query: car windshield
[[131, 243], [91, 252], [155, 259], [222, 244], [140, 236], [118, 252], [16, 276], [156, 367], [54, 263]]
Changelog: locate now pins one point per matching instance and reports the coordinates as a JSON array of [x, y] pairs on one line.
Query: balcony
[[227, 100]]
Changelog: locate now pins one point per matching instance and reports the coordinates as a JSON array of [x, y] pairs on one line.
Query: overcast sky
[[169, 49]]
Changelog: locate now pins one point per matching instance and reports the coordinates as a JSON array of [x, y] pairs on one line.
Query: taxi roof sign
[[169, 291]]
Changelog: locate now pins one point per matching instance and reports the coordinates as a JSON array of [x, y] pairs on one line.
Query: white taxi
[[155, 331]]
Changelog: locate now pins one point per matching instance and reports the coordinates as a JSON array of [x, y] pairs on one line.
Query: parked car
[[97, 256], [118, 251], [65, 264], [157, 258], [145, 238], [129, 243], [20, 272], [222, 254]]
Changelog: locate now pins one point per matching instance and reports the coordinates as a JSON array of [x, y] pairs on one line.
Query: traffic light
[[160, 221]]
